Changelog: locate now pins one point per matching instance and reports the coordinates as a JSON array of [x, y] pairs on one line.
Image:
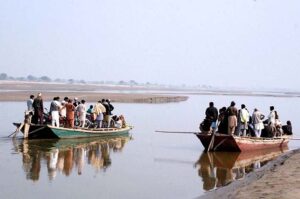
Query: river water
[[146, 164]]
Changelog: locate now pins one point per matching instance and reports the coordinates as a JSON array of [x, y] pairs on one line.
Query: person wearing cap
[[76, 102], [38, 106], [232, 118]]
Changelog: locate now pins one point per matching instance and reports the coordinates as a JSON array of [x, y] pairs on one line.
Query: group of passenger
[[232, 121], [70, 113]]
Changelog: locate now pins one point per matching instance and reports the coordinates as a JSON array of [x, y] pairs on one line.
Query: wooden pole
[[183, 132], [211, 143], [16, 131], [36, 130]]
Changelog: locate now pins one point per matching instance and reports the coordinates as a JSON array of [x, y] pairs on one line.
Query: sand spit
[[20, 91], [280, 179], [94, 96]]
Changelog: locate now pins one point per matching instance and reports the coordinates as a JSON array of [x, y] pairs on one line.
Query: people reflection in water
[[67, 158], [219, 169]]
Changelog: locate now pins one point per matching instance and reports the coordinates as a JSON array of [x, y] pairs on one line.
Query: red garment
[[70, 123], [70, 108]]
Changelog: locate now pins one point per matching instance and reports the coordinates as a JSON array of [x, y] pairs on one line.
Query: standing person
[[272, 116], [223, 121], [105, 118], [109, 110], [30, 102], [55, 107], [38, 117], [212, 114], [244, 119], [70, 111], [98, 110], [232, 118], [63, 111], [81, 109], [257, 118], [76, 102], [272, 120]]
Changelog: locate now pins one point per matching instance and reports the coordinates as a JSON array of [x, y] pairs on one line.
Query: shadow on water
[[218, 169], [66, 155]]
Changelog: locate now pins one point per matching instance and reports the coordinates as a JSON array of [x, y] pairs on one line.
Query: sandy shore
[[20, 91], [280, 179]]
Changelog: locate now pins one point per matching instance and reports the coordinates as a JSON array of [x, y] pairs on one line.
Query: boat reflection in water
[[66, 155], [219, 169]]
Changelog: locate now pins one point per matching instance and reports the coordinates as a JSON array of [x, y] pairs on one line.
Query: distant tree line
[[31, 78]]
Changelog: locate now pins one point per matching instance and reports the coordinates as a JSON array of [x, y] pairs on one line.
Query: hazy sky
[[243, 43]]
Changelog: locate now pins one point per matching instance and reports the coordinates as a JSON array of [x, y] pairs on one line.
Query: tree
[[122, 82], [3, 76], [45, 79], [31, 78], [71, 81], [132, 82]]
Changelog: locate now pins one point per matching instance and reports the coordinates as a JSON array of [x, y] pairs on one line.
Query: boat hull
[[50, 132], [236, 144]]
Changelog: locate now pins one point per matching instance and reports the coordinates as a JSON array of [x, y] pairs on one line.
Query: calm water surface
[[144, 165]]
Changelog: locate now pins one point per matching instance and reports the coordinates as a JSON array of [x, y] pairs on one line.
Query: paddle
[[211, 143], [32, 132], [212, 140], [17, 130]]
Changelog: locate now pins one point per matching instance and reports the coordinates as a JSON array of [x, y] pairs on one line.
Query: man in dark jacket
[[212, 114], [109, 110], [38, 117]]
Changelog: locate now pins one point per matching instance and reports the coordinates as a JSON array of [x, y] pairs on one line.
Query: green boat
[[52, 132]]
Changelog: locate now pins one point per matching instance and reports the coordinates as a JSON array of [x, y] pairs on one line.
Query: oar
[[183, 132], [32, 132], [17, 130], [211, 143]]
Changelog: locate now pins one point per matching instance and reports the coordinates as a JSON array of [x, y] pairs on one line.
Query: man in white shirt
[[244, 118], [55, 107], [30, 102]]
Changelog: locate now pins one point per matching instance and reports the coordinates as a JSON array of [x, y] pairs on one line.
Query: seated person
[[205, 126], [122, 118], [117, 122], [287, 129]]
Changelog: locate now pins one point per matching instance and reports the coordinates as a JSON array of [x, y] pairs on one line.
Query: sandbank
[[20, 91]]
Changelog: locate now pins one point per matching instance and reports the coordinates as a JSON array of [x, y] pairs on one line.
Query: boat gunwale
[[92, 131]]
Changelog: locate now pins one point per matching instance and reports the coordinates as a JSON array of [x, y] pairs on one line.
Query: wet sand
[[20, 91], [280, 179]]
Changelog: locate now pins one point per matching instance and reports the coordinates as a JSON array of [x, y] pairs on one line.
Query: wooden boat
[[51, 132], [223, 142]]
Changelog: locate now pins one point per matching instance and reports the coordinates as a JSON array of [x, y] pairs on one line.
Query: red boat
[[223, 142]]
